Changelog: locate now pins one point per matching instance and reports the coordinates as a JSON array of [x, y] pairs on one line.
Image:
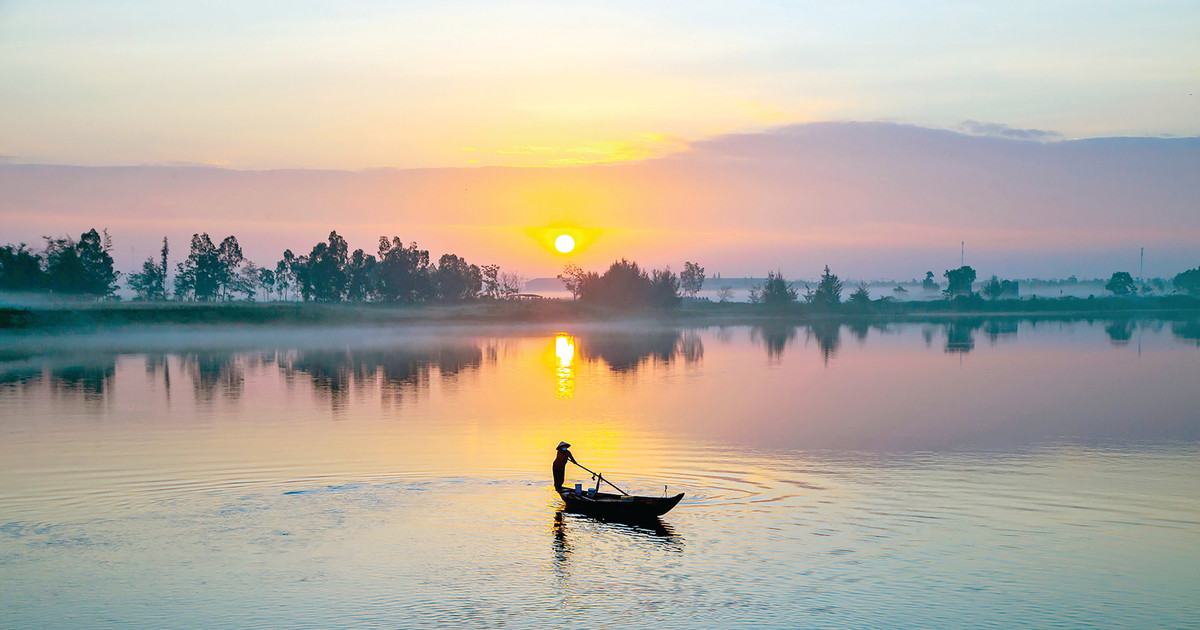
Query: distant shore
[[550, 311]]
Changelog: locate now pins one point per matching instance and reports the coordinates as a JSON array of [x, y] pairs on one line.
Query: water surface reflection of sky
[[994, 473]]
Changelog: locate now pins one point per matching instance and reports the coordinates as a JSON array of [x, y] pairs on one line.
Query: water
[[971, 474]]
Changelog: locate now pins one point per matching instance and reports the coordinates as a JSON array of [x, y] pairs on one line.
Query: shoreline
[[122, 315]]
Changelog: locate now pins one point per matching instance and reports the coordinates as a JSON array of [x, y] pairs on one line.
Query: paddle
[[596, 475]]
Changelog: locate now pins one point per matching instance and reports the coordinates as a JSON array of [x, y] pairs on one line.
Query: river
[[972, 473]]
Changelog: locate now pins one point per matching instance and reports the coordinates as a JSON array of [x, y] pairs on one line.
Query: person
[[560, 464]]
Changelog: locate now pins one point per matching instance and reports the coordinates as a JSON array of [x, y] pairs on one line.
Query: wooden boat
[[617, 506]]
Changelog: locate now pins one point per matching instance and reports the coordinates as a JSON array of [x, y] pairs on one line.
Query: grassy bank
[[125, 314]]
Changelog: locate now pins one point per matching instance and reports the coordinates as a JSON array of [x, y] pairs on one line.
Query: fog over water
[[975, 472]]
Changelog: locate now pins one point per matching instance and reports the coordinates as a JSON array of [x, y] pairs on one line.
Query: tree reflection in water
[[88, 380], [335, 373], [1188, 330], [626, 351], [214, 373], [1119, 331], [828, 335], [996, 329], [960, 334], [774, 337]]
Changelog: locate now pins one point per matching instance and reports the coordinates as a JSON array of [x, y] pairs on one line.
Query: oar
[[599, 476]]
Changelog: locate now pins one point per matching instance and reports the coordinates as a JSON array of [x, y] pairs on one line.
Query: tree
[[861, 298], [151, 282], [510, 283], [21, 269], [1121, 283], [285, 273], [691, 279], [993, 289], [244, 280], [776, 291], [959, 281], [576, 280], [491, 281], [81, 267], [229, 263], [324, 278], [725, 294], [360, 273], [266, 280], [929, 284], [404, 272], [457, 280], [664, 289], [829, 291], [623, 285], [200, 275], [1187, 281]]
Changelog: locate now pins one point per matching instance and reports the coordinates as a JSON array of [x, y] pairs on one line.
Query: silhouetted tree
[[491, 281], [151, 282], [456, 280], [860, 300], [360, 273], [83, 267], [404, 272], [1187, 281], [929, 284], [1121, 283], [664, 288], [510, 283], [199, 276], [992, 289], [623, 285], [229, 263], [691, 279], [285, 273], [21, 269], [266, 280], [959, 281], [776, 291], [724, 294], [245, 280], [828, 293], [576, 279], [322, 274]]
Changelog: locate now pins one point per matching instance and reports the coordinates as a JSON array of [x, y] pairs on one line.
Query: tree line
[[211, 271], [405, 274]]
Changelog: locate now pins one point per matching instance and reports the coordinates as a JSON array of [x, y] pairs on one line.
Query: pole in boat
[[599, 477]]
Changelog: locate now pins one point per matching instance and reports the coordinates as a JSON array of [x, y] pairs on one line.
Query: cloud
[[998, 130]]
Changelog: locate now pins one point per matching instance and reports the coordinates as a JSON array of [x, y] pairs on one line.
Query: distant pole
[[962, 254], [1141, 263]]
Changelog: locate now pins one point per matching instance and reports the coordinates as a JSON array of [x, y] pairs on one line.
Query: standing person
[[560, 464]]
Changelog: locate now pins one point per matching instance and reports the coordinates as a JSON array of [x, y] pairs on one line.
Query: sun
[[564, 243]]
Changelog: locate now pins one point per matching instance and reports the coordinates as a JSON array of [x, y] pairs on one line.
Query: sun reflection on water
[[564, 351]]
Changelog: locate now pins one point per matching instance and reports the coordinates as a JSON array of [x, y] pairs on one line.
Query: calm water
[[974, 474]]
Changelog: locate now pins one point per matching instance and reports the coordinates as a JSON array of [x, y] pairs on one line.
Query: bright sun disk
[[564, 243]]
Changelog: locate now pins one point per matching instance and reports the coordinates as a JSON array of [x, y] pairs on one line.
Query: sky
[[657, 91]]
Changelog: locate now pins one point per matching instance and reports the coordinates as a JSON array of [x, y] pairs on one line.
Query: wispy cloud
[[998, 130]]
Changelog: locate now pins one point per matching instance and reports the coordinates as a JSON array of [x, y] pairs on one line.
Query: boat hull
[[618, 507]]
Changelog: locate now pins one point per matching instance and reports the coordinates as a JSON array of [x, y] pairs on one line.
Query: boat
[[617, 506]]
